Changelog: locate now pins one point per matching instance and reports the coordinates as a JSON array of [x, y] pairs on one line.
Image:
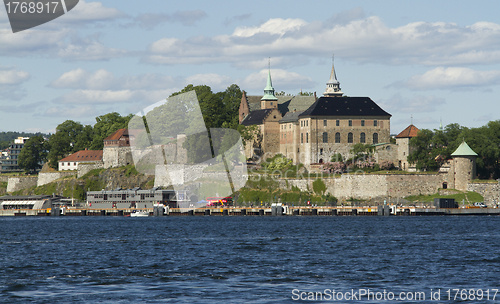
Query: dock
[[258, 211]]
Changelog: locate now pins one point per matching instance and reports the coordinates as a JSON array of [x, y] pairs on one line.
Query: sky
[[421, 61]]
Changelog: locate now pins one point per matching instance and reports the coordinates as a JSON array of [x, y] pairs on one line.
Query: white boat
[[139, 213]]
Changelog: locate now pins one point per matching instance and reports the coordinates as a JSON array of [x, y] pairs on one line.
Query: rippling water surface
[[244, 259]]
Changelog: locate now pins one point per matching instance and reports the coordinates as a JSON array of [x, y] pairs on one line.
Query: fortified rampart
[[21, 182], [45, 178], [489, 191], [367, 186]]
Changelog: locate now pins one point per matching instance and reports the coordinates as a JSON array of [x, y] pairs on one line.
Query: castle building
[[310, 130], [265, 112]]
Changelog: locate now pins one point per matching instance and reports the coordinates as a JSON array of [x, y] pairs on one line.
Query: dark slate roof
[[291, 116], [285, 103], [256, 117], [344, 106]]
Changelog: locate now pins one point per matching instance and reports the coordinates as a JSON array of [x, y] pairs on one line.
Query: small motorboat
[[139, 213]]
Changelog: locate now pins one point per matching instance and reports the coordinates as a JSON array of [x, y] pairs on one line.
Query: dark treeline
[[431, 148], [6, 138]]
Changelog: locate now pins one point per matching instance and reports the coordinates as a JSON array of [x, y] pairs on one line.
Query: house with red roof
[[84, 156]]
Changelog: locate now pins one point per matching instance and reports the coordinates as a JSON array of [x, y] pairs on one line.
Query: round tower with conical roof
[[464, 166]]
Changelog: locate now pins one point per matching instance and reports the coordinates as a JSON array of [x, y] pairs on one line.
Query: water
[[244, 259]]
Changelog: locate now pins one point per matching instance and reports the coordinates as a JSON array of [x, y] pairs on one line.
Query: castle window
[[337, 137], [324, 122], [349, 137], [307, 138], [362, 138], [301, 138], [271, 103], [375, 138], [325, 137], [320, 151], [337, 123], [362, 122], [374, 122], [350, 123]]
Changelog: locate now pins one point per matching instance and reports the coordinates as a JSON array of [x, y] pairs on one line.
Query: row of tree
[[219, 110], [70, 137], [431, 148]]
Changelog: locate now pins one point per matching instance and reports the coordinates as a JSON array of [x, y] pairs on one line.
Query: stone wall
[[45, 178], [367, 186], [86, 168], [4, 178], [21, 182], [489, 191]]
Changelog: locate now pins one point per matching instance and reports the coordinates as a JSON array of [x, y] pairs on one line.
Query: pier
[[258, 211]]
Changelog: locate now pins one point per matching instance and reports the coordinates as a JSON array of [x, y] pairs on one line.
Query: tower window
[[307, 137], [301, 138]]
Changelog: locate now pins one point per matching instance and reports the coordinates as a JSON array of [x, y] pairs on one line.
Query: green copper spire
[[269, 90]]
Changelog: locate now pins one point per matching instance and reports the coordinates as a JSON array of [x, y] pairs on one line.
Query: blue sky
[[431, 60]]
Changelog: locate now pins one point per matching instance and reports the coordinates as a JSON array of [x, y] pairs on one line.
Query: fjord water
[[242, 259]]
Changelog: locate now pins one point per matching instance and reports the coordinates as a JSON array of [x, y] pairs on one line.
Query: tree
[[33, 154], [105, 126], [64, 141]]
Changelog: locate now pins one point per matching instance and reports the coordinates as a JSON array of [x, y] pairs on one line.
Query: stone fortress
[[309, 130]]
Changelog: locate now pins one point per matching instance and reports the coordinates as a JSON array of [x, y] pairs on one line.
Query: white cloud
[[151, 20], [287, 80], [10, 76], [70, 111], [89, 49], [105, 80], [213, 80], [87, 12], [416, 104], [359, 40], [453, 78], [96, 96], [28, 42]]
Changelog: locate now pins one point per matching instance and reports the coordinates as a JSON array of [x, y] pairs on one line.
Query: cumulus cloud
[[355, 38], [11, 76], [287, 80], [455, 78], [151, 20], [90, 12], [228, 20], [105, 80], [416, 104], [11, 81], [70, 111]]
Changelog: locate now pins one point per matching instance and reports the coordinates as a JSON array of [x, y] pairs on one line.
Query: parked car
[[480, 204]]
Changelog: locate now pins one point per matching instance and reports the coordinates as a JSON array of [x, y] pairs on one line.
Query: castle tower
[[269, 100], [464, 166], [333, 85]]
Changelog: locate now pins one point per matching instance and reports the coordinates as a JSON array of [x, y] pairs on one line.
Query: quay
[[256, 211]]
